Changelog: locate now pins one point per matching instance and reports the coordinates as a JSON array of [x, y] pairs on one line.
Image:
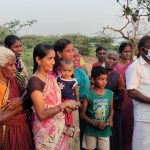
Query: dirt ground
[[89, 60]]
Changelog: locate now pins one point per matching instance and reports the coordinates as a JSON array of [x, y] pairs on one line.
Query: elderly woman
[[116, 84], [14, 130], [78, 60]]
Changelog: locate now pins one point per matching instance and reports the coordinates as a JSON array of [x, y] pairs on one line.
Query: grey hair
[[112, 52], [75, 49], [5, 53]]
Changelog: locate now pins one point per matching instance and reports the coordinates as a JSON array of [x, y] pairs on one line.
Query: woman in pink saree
[[48, 118], [127, 105]]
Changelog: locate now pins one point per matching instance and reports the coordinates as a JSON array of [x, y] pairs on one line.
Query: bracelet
[[61, 109]]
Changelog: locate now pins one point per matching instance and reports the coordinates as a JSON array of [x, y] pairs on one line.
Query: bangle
[[61, 109]]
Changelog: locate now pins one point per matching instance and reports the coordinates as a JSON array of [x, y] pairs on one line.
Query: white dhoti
[[141, 136]]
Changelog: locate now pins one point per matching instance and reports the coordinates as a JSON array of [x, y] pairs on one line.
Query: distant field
[[27, 58], [89, 60]]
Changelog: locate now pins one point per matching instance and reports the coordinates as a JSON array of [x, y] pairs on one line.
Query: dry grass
[[89, 60]]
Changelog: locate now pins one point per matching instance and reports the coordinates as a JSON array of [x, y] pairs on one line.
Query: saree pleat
[[15, 133], [49, 133]]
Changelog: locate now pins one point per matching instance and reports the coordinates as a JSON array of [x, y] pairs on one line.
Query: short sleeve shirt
[[67, 87], [138, 77], [98, 109], [34, 84]]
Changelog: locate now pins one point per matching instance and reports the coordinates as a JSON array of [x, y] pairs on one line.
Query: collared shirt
[[138, 77]]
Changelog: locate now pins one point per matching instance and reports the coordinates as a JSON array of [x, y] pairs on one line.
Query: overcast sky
[[61, 16]]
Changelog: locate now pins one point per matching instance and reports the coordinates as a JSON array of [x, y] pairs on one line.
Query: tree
[[87, 45], [13, 27], [82, 42], [136, 14], [104, 41]]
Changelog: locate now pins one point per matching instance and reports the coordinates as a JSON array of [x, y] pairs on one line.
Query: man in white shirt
[[138, 86]]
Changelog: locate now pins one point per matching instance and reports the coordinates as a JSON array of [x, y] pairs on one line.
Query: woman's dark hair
[[100, 48], [41, 50], [97, 71], [10, 40], [59, 46], [122, 47]]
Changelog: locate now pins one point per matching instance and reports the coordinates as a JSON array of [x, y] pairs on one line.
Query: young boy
[[97, 112]]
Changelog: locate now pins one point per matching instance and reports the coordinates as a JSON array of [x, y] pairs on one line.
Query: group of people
[[61, 108]]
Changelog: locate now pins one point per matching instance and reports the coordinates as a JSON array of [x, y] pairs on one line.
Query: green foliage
[[81, 42], [101, 41], [28, 59], [135, 9], [3, 33], [31, 41], [13, 27], [85, 44]]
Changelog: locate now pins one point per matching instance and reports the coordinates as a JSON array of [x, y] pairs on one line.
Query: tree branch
[[128, 22], [115, 30]]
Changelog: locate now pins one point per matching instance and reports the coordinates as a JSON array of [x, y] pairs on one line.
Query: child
[[69, 91], [97, 112]]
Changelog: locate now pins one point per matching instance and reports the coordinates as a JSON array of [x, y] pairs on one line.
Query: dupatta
[[48, 134], [4, 92]]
